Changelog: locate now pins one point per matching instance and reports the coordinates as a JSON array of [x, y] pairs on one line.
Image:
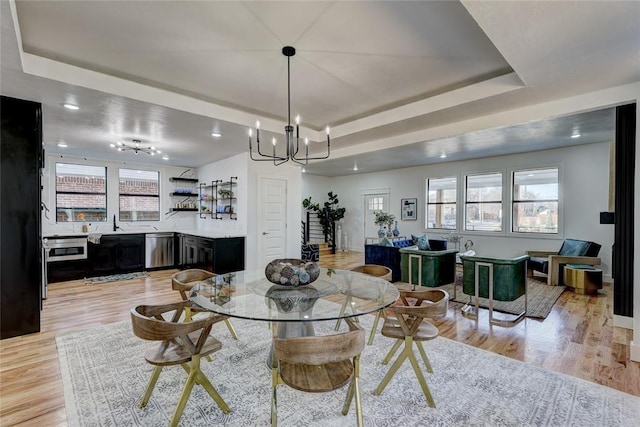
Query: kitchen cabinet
[[117, 254], [21, 262], [218, 255]]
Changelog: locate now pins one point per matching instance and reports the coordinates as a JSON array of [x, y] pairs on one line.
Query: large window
[[535, 201], [441, 203], [81, 193], [139, 195], [483, 203]]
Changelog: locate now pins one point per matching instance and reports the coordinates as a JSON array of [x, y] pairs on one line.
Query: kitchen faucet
[[115, 227]]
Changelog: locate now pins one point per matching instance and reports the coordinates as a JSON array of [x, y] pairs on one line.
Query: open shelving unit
[[226, 202], [184, 196]]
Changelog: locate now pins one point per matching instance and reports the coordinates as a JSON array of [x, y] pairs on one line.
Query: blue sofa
[[389, 256]]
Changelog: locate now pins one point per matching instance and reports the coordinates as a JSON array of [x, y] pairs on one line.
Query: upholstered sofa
[[428, 268], [389, 256], [509, 283], [552, 263]]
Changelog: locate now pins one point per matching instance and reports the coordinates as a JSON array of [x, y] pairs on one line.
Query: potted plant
[[383, 219], [328, 214]]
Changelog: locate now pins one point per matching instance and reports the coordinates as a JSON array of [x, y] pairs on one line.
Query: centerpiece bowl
[[291, 272]]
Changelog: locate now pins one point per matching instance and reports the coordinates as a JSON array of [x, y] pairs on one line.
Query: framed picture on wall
[[409, 209]]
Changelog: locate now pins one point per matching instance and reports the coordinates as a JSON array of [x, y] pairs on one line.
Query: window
[[535, 201], [376, 203], [441, 203], [483, 204], [139, 195], [81, 193]]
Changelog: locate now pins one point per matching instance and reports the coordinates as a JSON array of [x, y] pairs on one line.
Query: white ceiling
[[392, 79]]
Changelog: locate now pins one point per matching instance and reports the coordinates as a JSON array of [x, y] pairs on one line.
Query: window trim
[[456, 203], [463, 212], [523, 235], [140, 195], [56, 192]]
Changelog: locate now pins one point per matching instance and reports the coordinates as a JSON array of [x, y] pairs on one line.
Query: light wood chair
[[183, 281], [319, 364], [182, 344], [407, 325]]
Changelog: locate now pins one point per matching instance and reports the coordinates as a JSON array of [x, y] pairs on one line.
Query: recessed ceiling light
[[304, 170], [165, 157], [70, 107], [576, 135], [216, 134], [443, 156], [62, 144], [355, 167]]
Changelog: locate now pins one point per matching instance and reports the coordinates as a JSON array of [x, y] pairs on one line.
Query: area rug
[[540, 298], [114, 278], [104, 375]]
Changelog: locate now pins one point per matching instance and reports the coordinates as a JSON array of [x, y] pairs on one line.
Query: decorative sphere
[[291, 272]]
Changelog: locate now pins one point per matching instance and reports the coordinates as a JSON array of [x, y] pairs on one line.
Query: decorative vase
[[389, 232], [396, 232], [381, 232]]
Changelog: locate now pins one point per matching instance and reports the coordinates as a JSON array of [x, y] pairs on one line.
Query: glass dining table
[[335, 295], [293, 310]]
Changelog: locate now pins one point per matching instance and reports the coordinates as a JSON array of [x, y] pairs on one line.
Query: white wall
[[584, 191], [168, 222], [224, 170]]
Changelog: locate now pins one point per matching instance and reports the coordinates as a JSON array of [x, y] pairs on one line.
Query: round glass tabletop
[[336, 294]]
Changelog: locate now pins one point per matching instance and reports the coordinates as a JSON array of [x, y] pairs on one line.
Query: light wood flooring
[[577, 338]]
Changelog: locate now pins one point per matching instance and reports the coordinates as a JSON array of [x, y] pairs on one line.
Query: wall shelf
[[180, 179]]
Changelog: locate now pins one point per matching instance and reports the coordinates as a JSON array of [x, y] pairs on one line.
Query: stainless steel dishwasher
[[159, 250]]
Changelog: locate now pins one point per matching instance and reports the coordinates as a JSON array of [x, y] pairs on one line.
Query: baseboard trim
[[623, 322]]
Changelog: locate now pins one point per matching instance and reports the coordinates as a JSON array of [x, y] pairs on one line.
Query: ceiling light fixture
[[292, 147], [70, 107], [443, 156], [216, 134], [136, 148], [576, 135], [355, 167], [62, 144]]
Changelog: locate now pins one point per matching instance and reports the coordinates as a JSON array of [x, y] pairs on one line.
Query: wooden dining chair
[[407, 325], [181, 344], [319, 364], [183, 281]]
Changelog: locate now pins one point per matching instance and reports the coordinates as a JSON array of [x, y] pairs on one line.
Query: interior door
[[373, 201], [273, 229]]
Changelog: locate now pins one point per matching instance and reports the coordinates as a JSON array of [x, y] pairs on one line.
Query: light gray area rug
[[104, 375]]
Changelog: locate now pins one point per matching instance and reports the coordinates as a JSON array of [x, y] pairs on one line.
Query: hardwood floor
[[577, 338]]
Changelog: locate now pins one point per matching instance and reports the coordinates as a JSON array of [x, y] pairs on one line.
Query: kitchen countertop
[[209, 234]]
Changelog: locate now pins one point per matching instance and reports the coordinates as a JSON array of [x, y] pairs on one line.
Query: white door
[[273, 232], [374, 201]]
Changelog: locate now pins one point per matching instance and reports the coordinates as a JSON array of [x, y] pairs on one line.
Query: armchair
[[498, 279], [428, 268], [571, 252]]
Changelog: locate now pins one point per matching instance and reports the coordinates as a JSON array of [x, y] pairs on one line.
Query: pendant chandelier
[[293, 146], [136, 148]]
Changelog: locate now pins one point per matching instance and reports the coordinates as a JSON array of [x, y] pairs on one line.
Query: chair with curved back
[[407, 325], [319, 364], [183, 281], [181, 344], [382, 272]]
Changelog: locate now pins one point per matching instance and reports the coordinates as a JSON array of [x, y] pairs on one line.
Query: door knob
[[264, 233]]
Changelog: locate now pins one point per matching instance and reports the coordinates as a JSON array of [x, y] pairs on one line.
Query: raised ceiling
[[392, 79]]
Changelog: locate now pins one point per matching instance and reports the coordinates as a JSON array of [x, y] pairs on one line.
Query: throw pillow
[[385, 242], [415, 239], [423, 243]]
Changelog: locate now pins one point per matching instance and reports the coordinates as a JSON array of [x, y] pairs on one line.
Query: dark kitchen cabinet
[[117, 254], [21, 158], [218, 255]]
